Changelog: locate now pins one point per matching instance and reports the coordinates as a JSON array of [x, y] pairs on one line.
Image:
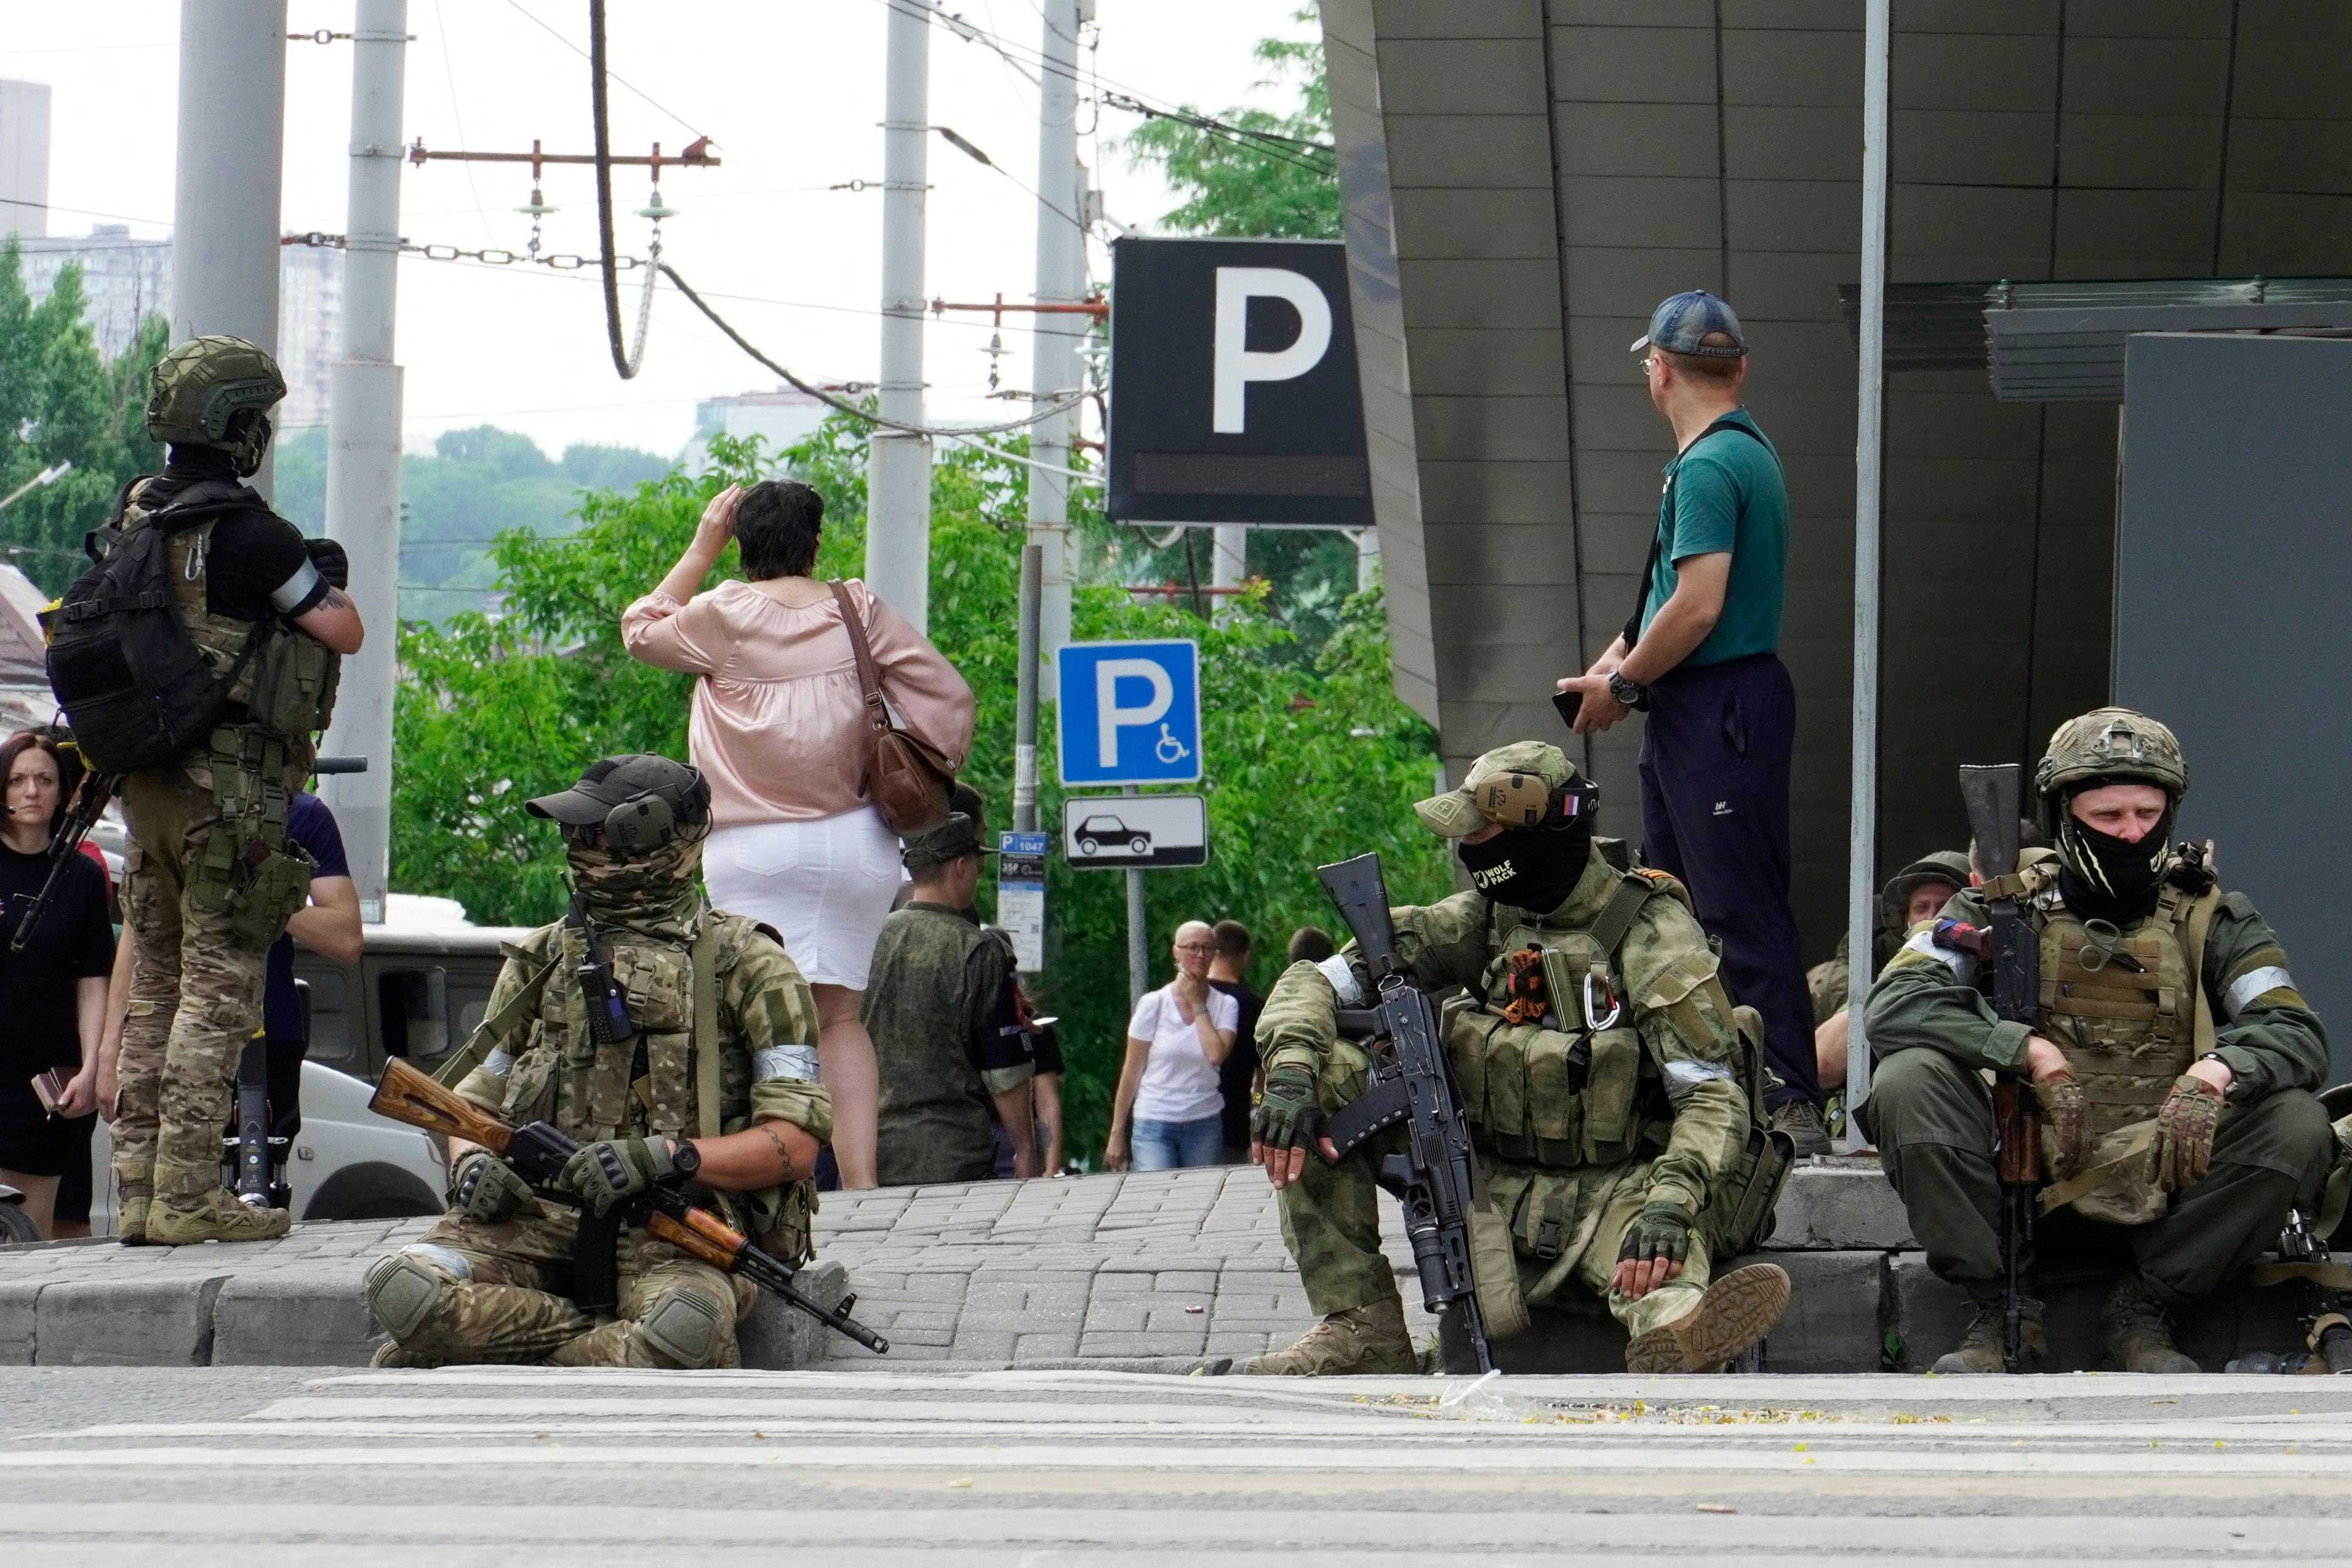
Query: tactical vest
[[282, 680], [2123, 1008], [1550, 1070]]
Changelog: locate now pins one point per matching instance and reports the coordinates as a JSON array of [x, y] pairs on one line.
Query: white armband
[[2252, 983], [499, 1063], [1963, 965], [290, 593], [1342, 975], [796, 1063], [1684, 1078]]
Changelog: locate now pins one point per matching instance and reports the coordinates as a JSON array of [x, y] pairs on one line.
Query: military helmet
[[2107, 745], [200, 386], [1947, 866]]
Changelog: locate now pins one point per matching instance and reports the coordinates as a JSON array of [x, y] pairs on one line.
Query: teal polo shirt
[[1729, 495]]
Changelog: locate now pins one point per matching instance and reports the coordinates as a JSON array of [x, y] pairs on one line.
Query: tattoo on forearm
[[334, 599], [777, 1138]]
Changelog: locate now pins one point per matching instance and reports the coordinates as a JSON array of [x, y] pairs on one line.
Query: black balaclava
[[2103, 877], [1533, 869]]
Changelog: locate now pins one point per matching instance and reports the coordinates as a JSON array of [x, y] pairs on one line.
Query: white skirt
[[826, 885]]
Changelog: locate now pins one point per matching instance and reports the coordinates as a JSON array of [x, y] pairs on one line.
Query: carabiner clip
[[1592, 1018]]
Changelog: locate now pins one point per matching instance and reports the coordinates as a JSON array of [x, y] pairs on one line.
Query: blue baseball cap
[[1680, 325]]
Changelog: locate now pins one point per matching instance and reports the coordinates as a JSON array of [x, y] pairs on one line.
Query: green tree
[[1277, 178], [1305, 761], [62, 401]]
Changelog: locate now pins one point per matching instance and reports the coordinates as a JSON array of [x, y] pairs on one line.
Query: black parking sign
[[1233, 395]]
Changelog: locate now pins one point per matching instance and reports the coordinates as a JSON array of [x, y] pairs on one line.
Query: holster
[[596, 1260], [248, 870]]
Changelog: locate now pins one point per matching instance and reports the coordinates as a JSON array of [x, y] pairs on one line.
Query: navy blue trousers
[[1715, 813]]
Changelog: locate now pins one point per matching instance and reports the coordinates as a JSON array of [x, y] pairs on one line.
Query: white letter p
[[1237, 366]]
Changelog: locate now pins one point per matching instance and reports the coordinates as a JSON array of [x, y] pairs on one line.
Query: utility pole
[[1061, 280], [225, 198], [1228, 563], [898, 474], [363, 441]]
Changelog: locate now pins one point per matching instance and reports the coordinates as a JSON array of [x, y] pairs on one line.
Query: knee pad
[[404, 1289], [684, 1330]]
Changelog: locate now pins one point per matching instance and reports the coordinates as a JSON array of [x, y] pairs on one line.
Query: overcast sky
[[789, 90]]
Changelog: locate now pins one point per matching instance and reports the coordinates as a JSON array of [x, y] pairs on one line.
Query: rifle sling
[[453, 1071], [708, 1121], [2332, 1275]]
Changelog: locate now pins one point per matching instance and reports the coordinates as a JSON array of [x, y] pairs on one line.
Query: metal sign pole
[[1869, 432], [1138, 955]]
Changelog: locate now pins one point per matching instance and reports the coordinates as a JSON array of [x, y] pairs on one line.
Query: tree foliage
[[61, 401], [1307, 761], [1265, 185]]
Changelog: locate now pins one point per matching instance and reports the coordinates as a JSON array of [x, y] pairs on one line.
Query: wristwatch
[[1631, 693], [685, 1159]]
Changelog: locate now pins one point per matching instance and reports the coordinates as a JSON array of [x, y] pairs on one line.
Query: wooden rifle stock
[[412, 1098]]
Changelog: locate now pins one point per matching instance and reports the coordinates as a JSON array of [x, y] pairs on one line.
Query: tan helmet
[[199, 388], [2110, 746]]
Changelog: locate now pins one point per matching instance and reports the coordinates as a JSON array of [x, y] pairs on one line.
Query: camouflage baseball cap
[[1510, 786], [951, 840]]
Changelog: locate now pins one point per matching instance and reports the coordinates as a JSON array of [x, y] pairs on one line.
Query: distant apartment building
[[780, 419]]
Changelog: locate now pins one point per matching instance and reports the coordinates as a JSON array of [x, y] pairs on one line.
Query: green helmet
[[2107, 745], [200, 388]]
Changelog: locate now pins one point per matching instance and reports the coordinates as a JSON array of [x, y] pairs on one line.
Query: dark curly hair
[[777, 525]]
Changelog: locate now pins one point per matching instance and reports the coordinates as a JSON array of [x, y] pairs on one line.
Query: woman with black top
[[53, 993]]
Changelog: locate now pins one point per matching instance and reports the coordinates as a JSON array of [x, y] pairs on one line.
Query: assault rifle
[[2327, 1317], [1435, 1178], [2012, 958], [89, 805], [538, 1153]]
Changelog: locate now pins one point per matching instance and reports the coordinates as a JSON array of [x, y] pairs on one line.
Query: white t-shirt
[[1179, 1084]]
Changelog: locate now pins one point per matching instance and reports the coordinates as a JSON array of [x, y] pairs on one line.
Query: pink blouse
[[777, 724]]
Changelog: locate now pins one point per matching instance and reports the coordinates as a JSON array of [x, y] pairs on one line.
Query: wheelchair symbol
[[1169, 750]]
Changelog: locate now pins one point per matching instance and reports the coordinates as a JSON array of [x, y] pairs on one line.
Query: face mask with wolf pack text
[[1534, 869]]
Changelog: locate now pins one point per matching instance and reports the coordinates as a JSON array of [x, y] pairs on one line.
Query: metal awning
[[2063, 342]]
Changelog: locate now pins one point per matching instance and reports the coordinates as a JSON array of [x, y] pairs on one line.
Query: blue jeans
[[1169, 1145]]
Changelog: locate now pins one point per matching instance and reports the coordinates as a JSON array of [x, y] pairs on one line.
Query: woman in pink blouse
[[778, 726]]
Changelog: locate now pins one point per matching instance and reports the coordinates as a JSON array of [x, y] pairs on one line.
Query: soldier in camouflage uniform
[[1611, 1093], [2173, 1059], [210, 879], [945, 1011], [719, 1088]]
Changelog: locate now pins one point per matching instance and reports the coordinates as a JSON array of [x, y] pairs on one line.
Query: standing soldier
[[2173, 1059], [945, 1011], [707, 1073], [210, 878], [1611, 1111]]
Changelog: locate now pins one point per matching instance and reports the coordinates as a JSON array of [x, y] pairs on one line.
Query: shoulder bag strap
[[877, 712], [1616, 916], [708, 1121], [1658, 535]]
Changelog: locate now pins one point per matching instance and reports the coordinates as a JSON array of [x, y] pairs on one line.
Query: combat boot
[[130, 1222], [1801, 1120], [1737, 1310], [1979, 1348], [1364, 1341], [2138, 1331], [216, 1217]]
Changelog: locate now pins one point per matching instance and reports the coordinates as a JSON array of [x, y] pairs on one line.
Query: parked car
[[420, 987], [1097, 831]]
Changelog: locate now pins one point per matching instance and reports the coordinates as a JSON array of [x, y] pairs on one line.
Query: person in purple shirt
[[329, 925]]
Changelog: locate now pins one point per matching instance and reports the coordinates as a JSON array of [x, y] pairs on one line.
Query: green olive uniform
[[1664, 1114], [938, 1006]]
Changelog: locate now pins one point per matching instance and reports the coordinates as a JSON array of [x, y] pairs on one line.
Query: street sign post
[[1135, 832], [1020, 896], [1130, 713]]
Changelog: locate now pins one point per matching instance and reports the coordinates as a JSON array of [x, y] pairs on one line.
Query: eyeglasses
[[1649, 363], [1196, 946]]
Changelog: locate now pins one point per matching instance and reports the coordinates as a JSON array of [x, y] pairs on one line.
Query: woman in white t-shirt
[[1167, 1090]]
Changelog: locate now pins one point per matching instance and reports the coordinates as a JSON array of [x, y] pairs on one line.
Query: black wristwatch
[[685, 1159], [1629, 692]]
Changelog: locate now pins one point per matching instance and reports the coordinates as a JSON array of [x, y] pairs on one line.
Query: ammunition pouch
[[290, 689], [1741, 1211], [248, 870]]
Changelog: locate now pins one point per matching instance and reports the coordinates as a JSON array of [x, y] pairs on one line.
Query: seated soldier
[[2173, 1059], [1613, 1144], [738, 1118]]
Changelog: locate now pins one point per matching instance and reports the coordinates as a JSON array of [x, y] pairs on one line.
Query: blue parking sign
[[1130, 713]]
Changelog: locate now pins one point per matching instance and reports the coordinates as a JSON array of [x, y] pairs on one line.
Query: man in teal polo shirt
[[1700, 654]]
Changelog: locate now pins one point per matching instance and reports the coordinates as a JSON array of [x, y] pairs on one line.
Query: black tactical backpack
[[135, 688]]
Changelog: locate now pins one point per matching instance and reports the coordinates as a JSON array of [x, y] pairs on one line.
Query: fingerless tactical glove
[[2183, 1148], [1660, 1230], [486, 1189], [1286, 1116], [604, 1173], [329, 560]]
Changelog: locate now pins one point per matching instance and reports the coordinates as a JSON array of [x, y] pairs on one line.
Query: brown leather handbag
[[906, 777]]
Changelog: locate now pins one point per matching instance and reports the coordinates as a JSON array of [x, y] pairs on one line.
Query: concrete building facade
[[24, 158], [1526, 179]]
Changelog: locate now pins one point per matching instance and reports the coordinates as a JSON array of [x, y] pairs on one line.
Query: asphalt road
[[106, 1466]]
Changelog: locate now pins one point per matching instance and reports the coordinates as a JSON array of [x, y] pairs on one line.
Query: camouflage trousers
[[1565, 1231], [195, 995], [1933, 1123], [504, 1297]]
